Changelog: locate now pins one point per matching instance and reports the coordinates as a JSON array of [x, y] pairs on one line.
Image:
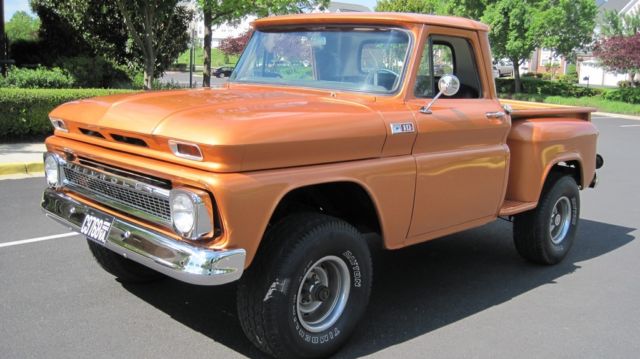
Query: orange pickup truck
[[334, 134]]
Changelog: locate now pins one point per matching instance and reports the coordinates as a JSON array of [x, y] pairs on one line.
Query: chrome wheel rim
[[560, 220], [323, 294]]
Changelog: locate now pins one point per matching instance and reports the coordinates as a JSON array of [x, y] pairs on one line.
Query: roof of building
[[615, 5], [388, 18], [335, 6]]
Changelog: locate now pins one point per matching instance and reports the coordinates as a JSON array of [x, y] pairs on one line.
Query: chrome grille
[[131, 196]]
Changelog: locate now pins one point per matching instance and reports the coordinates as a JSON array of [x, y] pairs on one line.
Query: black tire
[[268, 292], [537, 235], [124, 269]]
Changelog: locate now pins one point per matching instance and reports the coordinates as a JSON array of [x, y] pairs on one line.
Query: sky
[[11, 6]]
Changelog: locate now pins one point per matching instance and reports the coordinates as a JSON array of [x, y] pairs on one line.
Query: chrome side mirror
[[448, 85]]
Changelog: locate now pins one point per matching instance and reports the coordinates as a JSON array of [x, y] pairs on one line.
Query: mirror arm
[[427, 109]]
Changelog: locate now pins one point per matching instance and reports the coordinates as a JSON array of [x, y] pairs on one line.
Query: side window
[[447, 55]]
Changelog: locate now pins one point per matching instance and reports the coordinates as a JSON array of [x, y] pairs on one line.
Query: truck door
[[460, 148]]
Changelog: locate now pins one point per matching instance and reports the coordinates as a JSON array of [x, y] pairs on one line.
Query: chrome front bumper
[[179, 260]]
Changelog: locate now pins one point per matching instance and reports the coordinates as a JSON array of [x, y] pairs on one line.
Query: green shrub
[[532, 74], [627, 83], [627, 94], [25, 112], [94, 72], [568, 78], [38, 78], [534, 86]]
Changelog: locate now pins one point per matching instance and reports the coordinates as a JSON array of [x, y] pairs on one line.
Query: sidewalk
[[21, 158]]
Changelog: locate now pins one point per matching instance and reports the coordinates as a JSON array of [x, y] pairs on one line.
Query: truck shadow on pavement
[[416, 290]]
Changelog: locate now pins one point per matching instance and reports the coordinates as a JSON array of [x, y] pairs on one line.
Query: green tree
[[513, 34], [144, 34], [466, 8], [216, 12], [158, 29], [21, 26], [566, 25], [612, 24]]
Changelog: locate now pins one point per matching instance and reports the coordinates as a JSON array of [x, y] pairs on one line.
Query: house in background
[[546, 61], [343, 7], [589, 69]]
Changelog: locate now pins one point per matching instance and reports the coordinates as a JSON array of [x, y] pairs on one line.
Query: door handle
[[497, 114]]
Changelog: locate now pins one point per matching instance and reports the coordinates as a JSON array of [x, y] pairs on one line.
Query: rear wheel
[[307, 290], [123, 268], [545, 234]]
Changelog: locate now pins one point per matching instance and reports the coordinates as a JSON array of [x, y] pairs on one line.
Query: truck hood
[[239, 129]]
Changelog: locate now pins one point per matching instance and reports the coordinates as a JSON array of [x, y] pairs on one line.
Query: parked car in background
[[505, 68], [224, 71], [495, 71]]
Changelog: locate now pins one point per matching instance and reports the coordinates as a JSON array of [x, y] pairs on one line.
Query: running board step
[[509, 208]]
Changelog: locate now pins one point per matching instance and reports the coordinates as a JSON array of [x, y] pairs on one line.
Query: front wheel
[[545, 234], [307, 289]]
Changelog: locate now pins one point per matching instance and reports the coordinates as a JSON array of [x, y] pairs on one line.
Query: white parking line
[[630, 126], [38, 239]]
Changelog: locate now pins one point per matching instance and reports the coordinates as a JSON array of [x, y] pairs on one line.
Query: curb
[[607, 114], [21, 168]]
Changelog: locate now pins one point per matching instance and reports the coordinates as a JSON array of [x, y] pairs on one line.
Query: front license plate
[[96, 227]]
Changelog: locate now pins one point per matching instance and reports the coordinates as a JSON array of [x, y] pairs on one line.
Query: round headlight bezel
[[187, 201]]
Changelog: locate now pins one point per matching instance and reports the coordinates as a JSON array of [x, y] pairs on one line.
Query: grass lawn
[[217, 58], [596, 101]]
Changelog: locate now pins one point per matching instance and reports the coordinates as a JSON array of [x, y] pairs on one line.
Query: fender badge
[[402, 127]]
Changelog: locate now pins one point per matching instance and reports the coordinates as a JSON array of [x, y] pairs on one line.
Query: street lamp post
[[3, 42], [192, 53]]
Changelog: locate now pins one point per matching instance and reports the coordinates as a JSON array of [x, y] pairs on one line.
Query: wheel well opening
[[345, 200], [572, 168]]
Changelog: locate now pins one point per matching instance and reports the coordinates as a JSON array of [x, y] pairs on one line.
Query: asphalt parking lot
[[464, 296]]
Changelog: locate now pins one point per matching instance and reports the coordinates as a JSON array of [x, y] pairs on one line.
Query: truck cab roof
[[390, 18]]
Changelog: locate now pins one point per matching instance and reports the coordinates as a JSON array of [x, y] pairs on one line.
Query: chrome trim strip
[[115, 170], [173, 144], [176, 259]]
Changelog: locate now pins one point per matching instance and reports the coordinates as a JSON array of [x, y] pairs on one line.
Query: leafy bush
[[569, 78], [28, 52], [532, 74], [544, 87], [94, 72], [25, 111], [627, 94], [627, 83], [38, 78]]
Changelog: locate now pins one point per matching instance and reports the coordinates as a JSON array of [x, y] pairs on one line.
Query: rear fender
[[537, 145]]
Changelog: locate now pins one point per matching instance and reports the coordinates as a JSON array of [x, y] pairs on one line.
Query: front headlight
[[52, 169], [189, 214]]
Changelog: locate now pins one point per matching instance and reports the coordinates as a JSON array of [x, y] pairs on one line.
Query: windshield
[[369, 59]]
